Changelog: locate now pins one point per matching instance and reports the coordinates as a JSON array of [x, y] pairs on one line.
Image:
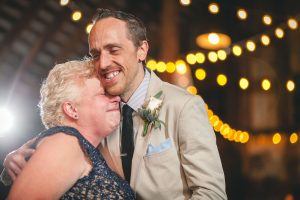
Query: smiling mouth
[[110, 75]]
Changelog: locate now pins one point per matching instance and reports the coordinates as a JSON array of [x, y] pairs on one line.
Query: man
[[178, 161]]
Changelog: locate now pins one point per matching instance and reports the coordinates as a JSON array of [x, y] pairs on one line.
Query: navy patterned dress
[[102, 182]]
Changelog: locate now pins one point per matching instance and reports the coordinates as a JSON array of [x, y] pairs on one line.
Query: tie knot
[[127, 111]]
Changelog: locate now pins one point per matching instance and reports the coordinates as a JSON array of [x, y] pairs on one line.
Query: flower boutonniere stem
[[150, 112]]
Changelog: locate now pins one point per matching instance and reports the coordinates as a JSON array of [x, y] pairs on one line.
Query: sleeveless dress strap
[[85, 144]]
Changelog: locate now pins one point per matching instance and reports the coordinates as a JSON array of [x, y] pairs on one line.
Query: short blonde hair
[[62, 84]]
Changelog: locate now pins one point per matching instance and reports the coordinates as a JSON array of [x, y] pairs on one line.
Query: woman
[[66, 164]]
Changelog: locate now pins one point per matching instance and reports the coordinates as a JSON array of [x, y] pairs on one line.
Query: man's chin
[[114, 90]]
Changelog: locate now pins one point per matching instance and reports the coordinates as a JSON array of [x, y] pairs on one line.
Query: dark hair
[[136, 28]]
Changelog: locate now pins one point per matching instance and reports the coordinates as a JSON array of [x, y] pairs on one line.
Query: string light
[[181, 67], [222, 54], [266, 84], [292, 23], [237, 50], [151, 64], [161, 67], [191, 59], [88, 28], [242, 14], [192, 89], [265, 40], [290, 85], [221, 79], [185, 2], [213, 8], [276, 138], [293, 138], [200, 74], [200, 57], [267, 20], [279, 32], [64, 2], [212, 56], [250, 45], [76, 16], [225, 130], [244, 83], [171, 68]]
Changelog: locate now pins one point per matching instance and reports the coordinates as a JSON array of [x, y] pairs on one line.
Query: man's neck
[[128, 94]]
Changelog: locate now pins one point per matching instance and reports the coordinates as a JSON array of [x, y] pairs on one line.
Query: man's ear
[[70, 110], [143, 51]]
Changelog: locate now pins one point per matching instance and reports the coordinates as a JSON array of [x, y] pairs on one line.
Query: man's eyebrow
[[110, 45]]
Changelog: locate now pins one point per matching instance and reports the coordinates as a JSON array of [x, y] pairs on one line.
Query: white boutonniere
[[150, 111]]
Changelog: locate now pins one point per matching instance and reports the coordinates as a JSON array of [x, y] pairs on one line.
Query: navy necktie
[[127, 144]]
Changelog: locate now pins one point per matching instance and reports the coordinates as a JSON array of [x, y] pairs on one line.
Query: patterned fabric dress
[[102, 182]]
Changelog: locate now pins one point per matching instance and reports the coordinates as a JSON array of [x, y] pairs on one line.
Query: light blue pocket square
[[167, 144]]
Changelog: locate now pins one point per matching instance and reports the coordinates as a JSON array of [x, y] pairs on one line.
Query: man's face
[[117, 60]]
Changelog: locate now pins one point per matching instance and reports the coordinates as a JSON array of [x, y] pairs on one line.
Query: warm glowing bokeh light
[[161, 67], [64, 2], [213, 38], [266, 84], [171, 67], [185, 2], [250, 45], [267, 20], [192, 89], [213, 8], [276, 138], [181, 67], [191, 59], [244, 83], [279, 33], [222, 54], [200, 58], [237, 50], [244, 137], [290, 85], [212, 56], [294, 138], [88, 28], [200, 74], [265, 40], [221, 79], [242, 14], [292, 23], [76, 16], [151, 64]]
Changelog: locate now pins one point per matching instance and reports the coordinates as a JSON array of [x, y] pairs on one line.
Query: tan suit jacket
[[190, 168]]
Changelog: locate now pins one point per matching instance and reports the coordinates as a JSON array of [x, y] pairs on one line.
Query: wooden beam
[[28, 14], [36, 48]]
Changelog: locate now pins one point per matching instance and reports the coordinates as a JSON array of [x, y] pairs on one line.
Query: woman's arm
[[55, 166]]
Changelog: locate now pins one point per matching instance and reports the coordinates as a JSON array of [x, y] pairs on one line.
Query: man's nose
[[105, 61]]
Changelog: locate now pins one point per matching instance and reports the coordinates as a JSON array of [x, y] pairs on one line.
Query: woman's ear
[[143, 51], [70, 110]]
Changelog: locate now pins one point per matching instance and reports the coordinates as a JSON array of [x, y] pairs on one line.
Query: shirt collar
[[137, 99]]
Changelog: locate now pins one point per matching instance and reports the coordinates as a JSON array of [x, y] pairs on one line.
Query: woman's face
[[98, 112]]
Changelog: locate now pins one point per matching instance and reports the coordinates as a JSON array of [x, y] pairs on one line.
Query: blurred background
[[241, 57]]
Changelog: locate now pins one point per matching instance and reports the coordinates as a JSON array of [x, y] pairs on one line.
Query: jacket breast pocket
[[164, 171]]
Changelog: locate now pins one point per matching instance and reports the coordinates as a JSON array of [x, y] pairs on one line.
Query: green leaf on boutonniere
[[150, 112]]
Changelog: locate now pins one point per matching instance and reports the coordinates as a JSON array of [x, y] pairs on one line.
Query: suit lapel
[[141, 144]]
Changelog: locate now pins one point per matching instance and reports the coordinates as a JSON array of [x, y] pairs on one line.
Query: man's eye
[[95, 56], [114, 50]]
